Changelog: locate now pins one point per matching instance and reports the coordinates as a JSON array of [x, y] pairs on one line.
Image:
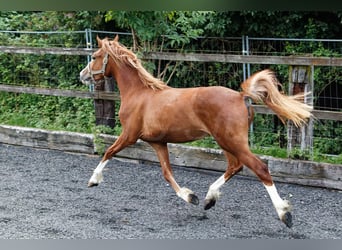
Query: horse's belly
[[174, 135], [185, 136]]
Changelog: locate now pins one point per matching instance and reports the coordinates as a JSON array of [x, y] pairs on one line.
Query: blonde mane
[[121, 55]]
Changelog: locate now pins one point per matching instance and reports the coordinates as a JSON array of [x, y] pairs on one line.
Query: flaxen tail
[[263, 87]]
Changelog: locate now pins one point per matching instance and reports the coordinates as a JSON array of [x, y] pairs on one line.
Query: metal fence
[[52, 70], [329, 79]]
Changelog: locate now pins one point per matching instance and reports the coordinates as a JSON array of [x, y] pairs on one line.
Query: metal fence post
[[89, 46], [247, 53], [246, 73], [243, 53]]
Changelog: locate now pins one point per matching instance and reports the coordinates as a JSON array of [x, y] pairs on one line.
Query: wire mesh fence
[[62, 71]]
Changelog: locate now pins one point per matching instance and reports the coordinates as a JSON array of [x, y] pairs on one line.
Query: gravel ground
[[44, 195]]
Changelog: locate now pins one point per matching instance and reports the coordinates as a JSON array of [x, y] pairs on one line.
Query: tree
[[160, 30], [148, 26]]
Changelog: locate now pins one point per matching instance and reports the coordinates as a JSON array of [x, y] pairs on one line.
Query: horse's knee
[[258, 167], [263, 173]]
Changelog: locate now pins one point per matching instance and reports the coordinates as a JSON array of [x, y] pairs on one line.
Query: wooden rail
[[61, 92], [252, 59], [43, 51], [195, 57], [318, 114]]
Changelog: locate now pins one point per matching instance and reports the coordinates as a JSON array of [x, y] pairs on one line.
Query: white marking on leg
[[281, 206], [97, 176], [214, 189], [184, 193]]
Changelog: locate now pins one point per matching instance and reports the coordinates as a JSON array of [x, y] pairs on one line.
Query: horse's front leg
[[118, 145], [97, 176], [163, 156]]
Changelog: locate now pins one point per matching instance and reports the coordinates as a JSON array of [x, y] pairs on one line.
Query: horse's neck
[[128, 81]]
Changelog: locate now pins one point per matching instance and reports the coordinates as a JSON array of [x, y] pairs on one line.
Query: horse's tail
[[263, 87]]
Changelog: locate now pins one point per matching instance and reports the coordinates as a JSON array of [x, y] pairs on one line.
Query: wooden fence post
[[301, 80], [105, 109]]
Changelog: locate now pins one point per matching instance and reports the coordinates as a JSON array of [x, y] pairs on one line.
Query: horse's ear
[[116, 39], [99, 41]]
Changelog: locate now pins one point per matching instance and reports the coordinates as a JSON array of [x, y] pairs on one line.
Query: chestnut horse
[[156, 113]]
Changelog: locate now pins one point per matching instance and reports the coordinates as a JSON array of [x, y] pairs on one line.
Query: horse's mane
[[121, 55]]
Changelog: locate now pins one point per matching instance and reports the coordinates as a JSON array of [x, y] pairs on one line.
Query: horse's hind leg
[[282, 207], [234, 166], [237, 145], [163, 156]]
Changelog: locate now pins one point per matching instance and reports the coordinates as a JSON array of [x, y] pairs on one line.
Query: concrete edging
[[282, 170]]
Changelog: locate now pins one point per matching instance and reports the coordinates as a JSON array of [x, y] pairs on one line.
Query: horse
[[158, 114]]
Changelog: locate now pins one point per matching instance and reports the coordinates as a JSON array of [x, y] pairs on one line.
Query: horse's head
[[97, 69]]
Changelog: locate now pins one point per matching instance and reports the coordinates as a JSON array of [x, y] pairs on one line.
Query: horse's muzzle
[[85, 77]]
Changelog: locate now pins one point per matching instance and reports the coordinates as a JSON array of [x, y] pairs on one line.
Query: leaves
[[178, 26]]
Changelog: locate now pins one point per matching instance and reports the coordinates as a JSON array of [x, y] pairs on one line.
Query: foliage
[[50, 20], [330, 140], [148, 26], [55, 113], [160, 31]]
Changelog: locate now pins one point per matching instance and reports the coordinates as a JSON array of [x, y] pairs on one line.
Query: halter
[[101, 71]]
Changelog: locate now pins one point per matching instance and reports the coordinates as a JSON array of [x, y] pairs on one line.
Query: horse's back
[[190, 102], [221, 107], [218, 99]]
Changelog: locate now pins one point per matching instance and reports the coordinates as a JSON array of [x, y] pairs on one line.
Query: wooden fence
[[283, 170], [224, 58], [104, 99]]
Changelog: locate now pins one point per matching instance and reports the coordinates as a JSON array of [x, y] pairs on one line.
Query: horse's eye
[[93, 57]]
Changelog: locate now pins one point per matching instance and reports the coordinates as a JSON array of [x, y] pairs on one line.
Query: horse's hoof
[[92, 184], [193, 199], [287, 219], [209, 204]]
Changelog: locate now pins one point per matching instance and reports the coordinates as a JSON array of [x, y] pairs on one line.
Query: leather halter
[[101, 71]]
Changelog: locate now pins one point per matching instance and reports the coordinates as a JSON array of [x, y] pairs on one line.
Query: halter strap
[[101, 71]]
